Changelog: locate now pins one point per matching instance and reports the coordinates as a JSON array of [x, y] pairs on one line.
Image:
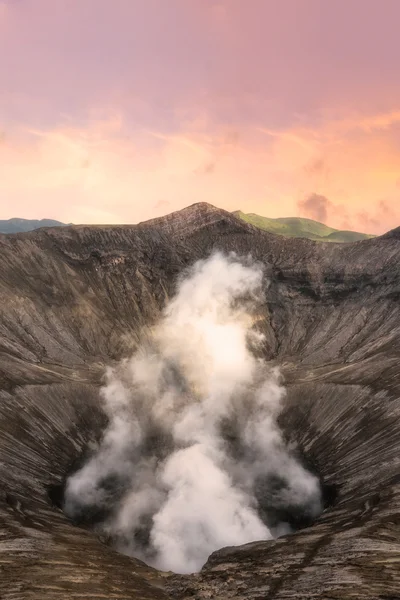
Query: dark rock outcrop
[[74, 299]]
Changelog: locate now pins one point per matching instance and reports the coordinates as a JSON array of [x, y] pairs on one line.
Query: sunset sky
[[116, 111]]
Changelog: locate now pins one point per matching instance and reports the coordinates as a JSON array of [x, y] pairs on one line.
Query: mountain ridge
[[302, 227], [19, 225], [294, 227]]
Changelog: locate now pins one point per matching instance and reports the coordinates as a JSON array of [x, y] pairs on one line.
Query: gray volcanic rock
[[75, 299]]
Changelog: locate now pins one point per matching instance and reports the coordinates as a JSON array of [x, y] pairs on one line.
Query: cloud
[[231, 138], [381, 216], [302, 138], [162, 204], [187, 141], [206, 169], [383, 213], [317, 166], [186, 72], [107, 170], [383, 120], [209, 168], [316, 206]]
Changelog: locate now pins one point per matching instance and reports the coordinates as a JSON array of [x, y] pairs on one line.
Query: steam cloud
[[317, 207], [192, 458]]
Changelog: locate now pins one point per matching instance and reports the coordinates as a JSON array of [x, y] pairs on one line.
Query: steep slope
[[303, 228], [75, 299], [17, 225]]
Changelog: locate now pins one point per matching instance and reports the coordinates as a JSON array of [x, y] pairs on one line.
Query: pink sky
[[119, 111]]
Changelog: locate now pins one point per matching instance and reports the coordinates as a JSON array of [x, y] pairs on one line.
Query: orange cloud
[[355, 162], [107, 172], [316, 206]]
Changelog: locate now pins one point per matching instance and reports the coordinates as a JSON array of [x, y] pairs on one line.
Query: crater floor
[[73, 300]]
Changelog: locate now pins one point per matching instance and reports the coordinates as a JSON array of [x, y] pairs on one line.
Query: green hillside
[[305, 228]]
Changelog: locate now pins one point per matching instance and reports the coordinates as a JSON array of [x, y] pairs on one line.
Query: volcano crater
[[76, 299]]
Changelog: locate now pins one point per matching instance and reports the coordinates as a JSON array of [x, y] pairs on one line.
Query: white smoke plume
[[193, 459]]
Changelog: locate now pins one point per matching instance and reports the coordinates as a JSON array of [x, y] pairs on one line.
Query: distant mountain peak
[[17, 225]]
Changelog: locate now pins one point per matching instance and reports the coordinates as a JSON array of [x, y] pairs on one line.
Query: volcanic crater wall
[[75, 299]]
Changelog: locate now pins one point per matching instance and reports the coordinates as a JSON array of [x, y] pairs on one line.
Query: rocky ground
[[75, 299]]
